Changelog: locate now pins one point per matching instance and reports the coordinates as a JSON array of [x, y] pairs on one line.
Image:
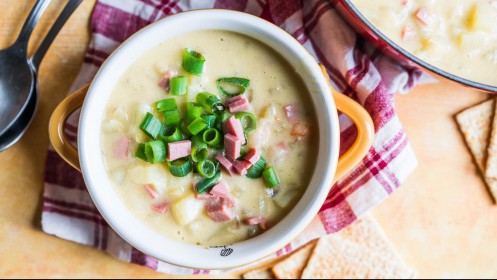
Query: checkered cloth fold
[[356, 69]]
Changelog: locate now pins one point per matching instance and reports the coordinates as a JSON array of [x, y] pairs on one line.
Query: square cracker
[[337, 258], [293, 266], [263, 273], [475, 124], [491, 166], [365, 232]]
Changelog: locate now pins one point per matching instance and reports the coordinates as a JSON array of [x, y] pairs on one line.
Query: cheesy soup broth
[[286, 136], [458, 36]]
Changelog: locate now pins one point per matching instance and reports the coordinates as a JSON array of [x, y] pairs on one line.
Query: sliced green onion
[[151, 126], [208, 183], [199, 153], [206, 168], [240, 84], [212, 137], [171, 117], [222, 118], [271, 177], [166, 105], [197, 126], [248, 120], [193, 111], [178, 85], [210, 102], [155, 151], [256, 170], [210, 120], [193, 62], [180, 167], [184, 129], [171, 134], [140, 152]]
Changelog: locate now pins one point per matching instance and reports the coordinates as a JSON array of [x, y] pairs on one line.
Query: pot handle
[[365, 130], [58, 137]]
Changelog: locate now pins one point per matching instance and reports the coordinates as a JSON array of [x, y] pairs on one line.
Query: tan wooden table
[[441, 221]]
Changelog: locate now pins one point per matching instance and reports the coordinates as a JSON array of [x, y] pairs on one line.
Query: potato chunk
[[186, 210]]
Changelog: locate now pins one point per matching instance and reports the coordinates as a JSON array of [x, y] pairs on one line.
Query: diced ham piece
[[404, 2], [231, 100], [234, 126], [160, 207], [219, 211], [229, 201], [220, 190], [226, 164], [241, 166], [121, 148], [292, 113], [300, 129], [239, 106], [408, 33], [252, 156], [261, 221], [232, 146], [150, 189], [179, 149], [424, 16], [164, 81], [205, 196]]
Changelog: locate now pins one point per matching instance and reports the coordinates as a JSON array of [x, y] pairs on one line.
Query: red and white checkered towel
[[357, 69]]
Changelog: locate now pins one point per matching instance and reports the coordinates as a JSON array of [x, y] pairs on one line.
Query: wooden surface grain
[[442, 220]]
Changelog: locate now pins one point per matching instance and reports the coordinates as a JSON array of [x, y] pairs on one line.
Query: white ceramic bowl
[[109, 202]]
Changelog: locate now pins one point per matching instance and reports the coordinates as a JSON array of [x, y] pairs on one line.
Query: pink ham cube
[[232, 146], [292, 113], [239, 106], [219, 211], [241, 166], [121, 147], [160, 208], [226, 164], [229, 201], [424, 16], [164, 81], [150, 189], [252, 156], [261, 221], [220, 190], [179, 149], [232, 100], [234, 126]]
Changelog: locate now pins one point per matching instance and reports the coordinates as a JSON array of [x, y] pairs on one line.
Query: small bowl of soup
[[210, 139], [454, 40]]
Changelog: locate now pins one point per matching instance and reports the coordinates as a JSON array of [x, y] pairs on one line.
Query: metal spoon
[[18, 127], [17, 77]]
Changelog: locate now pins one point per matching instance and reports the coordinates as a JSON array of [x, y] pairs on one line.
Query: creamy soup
[[458, 36], [259, 175]]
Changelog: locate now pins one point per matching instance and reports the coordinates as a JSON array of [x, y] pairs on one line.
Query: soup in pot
[[210, 138], [458, 36]]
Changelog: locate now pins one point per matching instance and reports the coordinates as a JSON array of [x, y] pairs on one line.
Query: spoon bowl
[[17, 85]]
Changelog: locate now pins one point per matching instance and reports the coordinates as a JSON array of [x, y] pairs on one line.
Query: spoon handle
[[30, 23], [54, 30]]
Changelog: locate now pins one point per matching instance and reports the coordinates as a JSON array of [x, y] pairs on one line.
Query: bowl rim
[[326, 163], [411, 57]]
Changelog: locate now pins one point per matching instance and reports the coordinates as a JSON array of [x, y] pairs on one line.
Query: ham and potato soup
[[458, 36], [210, 138]]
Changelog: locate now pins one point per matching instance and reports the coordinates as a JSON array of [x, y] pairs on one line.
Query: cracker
[[264, 273], [367, 233], [475, 124], [337, 258], [293, 266], [491, 166]]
